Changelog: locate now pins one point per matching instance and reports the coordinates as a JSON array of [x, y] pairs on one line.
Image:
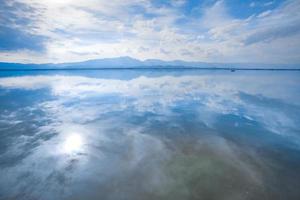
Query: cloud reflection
[[147, 137]]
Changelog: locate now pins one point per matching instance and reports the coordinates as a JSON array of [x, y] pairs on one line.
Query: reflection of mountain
[[128, 62]]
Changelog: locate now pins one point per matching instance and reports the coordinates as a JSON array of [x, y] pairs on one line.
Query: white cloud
[[264, 14], [81, 30], [269, 3]]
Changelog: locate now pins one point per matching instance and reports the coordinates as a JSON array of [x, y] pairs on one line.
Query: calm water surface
[[149, 134]]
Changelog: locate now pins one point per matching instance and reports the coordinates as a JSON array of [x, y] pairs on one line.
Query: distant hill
[[128, 62]]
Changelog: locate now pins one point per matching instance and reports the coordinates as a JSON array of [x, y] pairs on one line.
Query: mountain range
[[128, 62]]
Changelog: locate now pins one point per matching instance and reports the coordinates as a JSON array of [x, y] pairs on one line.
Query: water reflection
[[73, 143], [161, 136]]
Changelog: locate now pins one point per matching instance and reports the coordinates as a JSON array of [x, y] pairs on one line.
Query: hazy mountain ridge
[[128, 62]]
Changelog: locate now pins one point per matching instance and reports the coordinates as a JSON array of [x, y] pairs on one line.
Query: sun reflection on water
[[73, 143]]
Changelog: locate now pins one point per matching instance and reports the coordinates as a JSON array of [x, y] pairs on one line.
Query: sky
[[246, 31]]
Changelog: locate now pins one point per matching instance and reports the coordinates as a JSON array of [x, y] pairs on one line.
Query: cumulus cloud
[[270, 34], [68, 30]]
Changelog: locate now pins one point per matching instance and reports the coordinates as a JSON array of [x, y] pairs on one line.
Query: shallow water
[[149, 134]]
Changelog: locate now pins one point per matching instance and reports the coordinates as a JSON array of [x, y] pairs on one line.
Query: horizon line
[[154, 68]]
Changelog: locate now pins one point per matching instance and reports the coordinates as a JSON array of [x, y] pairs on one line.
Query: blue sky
[[43, 31]]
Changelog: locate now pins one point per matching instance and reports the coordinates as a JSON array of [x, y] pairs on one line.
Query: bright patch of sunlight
[[73, 143]]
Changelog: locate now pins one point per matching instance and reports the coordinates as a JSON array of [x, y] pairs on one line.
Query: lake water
[[149, 134]]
